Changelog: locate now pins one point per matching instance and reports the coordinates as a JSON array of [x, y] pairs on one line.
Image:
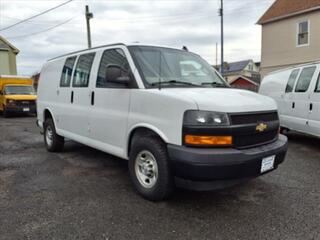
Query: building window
[[303, 33]]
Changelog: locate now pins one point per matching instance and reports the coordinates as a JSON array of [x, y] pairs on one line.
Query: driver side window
[[111, 57]]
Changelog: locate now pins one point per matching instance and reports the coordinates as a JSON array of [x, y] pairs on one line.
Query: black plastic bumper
[[21, 109], [207, 169]]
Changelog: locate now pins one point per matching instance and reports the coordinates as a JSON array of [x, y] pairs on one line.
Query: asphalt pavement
[[83, 193]]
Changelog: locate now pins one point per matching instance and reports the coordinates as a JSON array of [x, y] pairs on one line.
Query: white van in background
[[297, 93], [165, 110]]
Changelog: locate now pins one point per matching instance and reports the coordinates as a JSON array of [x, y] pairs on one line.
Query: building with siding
[[8, 52], [290, 34], [243, 82], [246, 68]]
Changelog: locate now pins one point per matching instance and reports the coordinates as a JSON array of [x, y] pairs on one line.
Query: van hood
[[21, 97], [228, 100]]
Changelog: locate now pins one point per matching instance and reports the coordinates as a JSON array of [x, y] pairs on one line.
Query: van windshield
[[174, 68], [19, 90]]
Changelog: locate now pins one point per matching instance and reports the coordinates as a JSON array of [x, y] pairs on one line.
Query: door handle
[[71, 100], [293, 105], [92, 98], [311, 107]]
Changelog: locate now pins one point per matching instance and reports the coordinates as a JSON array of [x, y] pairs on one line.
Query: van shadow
[[307, 140], [255, 191], [78, 152], [101, 164], [18, 115]]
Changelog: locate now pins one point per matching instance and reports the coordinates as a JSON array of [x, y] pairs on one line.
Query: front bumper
[[213, 168], [21, 109]]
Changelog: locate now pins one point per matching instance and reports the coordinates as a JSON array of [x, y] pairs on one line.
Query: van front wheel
[[149, 168], [5, 112], [53, 142]]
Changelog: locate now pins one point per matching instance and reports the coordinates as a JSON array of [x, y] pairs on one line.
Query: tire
[[5, 112], [53, 142], [160, 185], [284, 130]]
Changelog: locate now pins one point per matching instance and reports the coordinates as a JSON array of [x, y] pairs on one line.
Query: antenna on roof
[[185, 48]]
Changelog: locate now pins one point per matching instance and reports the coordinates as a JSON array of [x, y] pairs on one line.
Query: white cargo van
[[177, 127], [297, 93]]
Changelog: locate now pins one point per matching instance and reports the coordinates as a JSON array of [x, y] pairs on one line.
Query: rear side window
[[67, 72], [305, 79], [318, 85], [292, 80], [82, 73], [111, 57]]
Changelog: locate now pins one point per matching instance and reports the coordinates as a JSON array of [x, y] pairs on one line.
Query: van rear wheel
[[150, 169], [53, 142]]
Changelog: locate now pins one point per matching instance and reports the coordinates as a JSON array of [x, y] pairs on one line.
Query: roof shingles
[[236, 66], [283, 8]]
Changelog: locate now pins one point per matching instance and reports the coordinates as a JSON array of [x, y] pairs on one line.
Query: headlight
[[205, 118], [11, 101]]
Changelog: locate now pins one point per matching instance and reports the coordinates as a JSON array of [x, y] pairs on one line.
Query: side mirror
[[116, 74]]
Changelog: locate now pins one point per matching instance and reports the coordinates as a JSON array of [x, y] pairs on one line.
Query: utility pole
[[89, 15], [222, 37], [216, 55]]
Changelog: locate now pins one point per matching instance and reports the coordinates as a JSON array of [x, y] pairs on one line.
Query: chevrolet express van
[[17, 95], [297, 93], [177, 127]]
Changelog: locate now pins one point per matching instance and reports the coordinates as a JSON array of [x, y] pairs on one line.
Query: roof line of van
[[295, 66], [87, 49]]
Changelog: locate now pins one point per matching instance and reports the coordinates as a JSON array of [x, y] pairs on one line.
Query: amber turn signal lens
[[208, 140]]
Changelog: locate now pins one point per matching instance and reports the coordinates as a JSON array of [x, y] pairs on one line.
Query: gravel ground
[[83, 193]]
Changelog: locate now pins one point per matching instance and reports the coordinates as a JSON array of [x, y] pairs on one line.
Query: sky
[[174, 23]]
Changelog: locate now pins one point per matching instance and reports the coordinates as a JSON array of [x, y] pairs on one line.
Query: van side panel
[[47, 88], [299, 111], [161, 110], [107, 113], [274, 85], [314, 104]]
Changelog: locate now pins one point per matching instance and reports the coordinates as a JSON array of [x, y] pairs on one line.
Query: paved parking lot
[[83, 193]]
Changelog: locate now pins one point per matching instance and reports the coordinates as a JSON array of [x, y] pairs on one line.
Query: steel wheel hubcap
[[146, 169], [49, 135]]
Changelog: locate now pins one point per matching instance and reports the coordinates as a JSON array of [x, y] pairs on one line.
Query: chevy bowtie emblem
[[261, 127]]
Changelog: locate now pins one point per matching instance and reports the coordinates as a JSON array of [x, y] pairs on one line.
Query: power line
[[36, 22], [42, 31], [37, 15]]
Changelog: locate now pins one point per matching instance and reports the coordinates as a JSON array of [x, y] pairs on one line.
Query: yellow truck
[[17, 95]]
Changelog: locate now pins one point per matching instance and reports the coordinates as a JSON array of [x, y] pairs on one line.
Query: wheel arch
[[144, 129], [47, 113]]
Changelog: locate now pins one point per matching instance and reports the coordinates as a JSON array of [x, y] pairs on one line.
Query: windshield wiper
[[215, 84], [174, 82]]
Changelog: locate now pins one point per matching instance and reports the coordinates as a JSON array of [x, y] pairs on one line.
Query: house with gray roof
[[246, 68], [8, 52]]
